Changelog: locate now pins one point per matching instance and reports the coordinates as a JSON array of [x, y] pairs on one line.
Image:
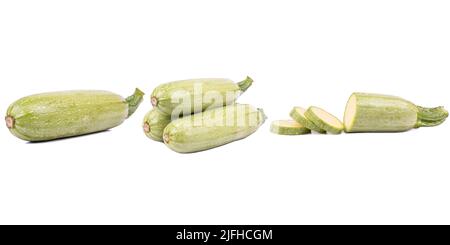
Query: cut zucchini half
[[385, 113], [288, 127], [298, 114], [324, 120]]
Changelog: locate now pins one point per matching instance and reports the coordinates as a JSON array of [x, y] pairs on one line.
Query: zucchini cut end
[[324, 120], [288, 127], [298, 114], [298, 110], [350, 113]]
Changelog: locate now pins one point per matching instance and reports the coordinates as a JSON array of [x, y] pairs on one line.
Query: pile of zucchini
[[364, 113], [188, 115], [199, 114]]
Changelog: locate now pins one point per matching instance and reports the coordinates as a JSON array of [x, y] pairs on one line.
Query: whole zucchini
[[212, 128], [195, 95], [384, 113], [154, 123], [54, 115]]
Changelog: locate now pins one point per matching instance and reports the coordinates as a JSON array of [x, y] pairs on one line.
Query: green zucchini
[[54, 115], [288, 127], [298, 114], [384, 113], [195, 95], [154, 123], [324, 120], [212, 128]]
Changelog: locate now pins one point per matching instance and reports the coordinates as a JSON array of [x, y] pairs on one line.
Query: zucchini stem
[[435, 114], [425, 123], [134, 100], [430, 117], [245, 84]]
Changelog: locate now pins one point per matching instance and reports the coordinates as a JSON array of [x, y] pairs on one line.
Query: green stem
[[432, 114], [134, 100], [245, 84], [430, 117], [425, 123]]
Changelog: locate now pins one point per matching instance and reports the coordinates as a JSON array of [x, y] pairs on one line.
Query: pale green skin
[[55, 115], [385, 113], [319, 122], [154, 124], [197, 133], [170, 96], [277, 128], [305, 121]]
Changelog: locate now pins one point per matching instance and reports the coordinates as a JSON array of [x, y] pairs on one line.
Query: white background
[[298, 52]]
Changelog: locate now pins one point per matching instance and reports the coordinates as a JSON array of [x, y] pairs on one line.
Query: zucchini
[[195, 95], [298, 114], [212, 128], [154, 123], [55, 115], [288, 127], [384, 113], [324, 120]]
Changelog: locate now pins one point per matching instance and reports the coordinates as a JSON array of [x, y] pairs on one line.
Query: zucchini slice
[[298, 114], [288, 127], [324, 120]]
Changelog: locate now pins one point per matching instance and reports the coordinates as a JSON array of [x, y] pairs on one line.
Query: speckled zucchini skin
[[154, 124], [54, 115], [385, 113], [196, 95], [202, 132]]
